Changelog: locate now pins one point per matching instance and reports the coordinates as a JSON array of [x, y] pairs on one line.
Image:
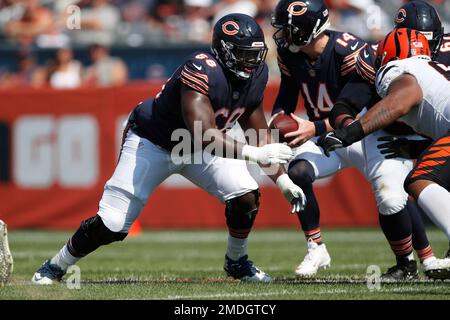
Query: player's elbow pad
[[340, 108]]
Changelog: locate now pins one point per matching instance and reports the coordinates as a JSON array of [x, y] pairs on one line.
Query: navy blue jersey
[[230, 98], [443, 54], [320, 82]]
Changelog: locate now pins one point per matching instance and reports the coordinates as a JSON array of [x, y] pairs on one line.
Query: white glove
[[293, 193], [268, 154]]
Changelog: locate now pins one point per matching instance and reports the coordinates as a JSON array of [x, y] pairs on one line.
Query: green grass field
[[188, 265]]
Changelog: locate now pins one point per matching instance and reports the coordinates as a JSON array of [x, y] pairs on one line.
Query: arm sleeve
[[287, 96]]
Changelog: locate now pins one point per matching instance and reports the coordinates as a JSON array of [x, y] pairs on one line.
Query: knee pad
[[92, 234], [240, 212], [96, 230], [118, 208], [301, 173], [391, 204]]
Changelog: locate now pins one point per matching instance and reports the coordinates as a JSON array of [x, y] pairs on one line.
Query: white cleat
[[437, 268], [48, 274], [6, 259], [317, 258]]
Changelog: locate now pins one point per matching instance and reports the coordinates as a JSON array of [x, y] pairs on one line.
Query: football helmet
[[402, 44], [299, 22], [423, 17], [238, 44]]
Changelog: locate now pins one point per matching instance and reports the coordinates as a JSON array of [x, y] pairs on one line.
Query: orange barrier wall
[[63, 145]]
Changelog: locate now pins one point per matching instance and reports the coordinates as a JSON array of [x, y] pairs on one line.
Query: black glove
[[395, 147], [341, 138]]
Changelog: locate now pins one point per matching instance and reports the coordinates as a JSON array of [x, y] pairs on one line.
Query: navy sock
[[397, 229], [419, 236], [302, 174]]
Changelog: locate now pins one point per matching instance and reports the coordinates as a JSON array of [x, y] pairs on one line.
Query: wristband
[[321, 127], [351, 133]]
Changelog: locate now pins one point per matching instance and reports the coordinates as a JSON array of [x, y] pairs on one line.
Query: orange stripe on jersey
[[365, 74], [203, 76], [352, 55], [442, 141], [194, 79], [365, 65], [348, 71], [430, 163], [420, 172], [193, 86], [441, 152]]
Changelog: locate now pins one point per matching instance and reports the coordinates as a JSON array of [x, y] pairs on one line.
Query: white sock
[[237, 248], [435, 200], [64, 259]]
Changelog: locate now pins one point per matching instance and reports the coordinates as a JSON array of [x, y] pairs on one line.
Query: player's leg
[[230, 182], [310, 164], [142, 166], [386, 176], [6, 259], [429, 184]]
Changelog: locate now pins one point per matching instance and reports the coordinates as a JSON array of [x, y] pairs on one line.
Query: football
[[285, 124]]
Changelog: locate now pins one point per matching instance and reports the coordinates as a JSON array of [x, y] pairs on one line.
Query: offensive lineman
[[318, 63], [214, 90], [414, 90]]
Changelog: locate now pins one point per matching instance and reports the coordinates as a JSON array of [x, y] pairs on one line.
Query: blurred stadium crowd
[[60, 26]]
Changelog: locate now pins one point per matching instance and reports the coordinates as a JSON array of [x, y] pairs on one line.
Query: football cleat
[[48, 274], [317, 258], [245, 270], [401, 272], [437, 268], [6, 259]]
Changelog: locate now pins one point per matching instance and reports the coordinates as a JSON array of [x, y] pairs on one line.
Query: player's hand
[[397, 147], [306, 130], [329, 142], [293, 193], [268, 154], [341, 138]]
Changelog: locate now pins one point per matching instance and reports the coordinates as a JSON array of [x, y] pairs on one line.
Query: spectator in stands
[[35, 20], [105, 70], [364, 18], [225, 7], [198, 14], [27, 74], [65, 72], [98, 24]]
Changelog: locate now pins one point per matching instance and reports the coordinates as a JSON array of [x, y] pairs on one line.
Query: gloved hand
[[268, 154], [399, 147], [293, 193]]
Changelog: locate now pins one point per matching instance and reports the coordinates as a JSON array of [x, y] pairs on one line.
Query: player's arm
[[356, 95], [403, 94], [198, 112], [256, 121]]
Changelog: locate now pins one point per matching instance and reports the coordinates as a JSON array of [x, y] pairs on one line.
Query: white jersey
[[432, 116]]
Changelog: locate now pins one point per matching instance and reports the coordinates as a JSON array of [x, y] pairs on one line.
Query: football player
[[415, 90], [423, 17], [319, 63], [213, 90]]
